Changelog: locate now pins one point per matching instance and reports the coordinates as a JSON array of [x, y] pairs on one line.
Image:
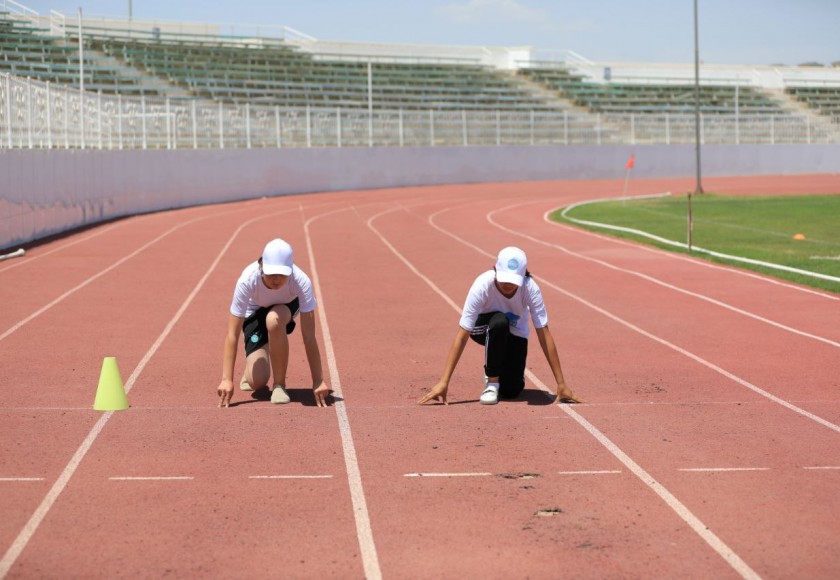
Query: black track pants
[[504, 353]]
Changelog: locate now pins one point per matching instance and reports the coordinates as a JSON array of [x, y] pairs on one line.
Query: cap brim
[[509, 277], [274, 270]]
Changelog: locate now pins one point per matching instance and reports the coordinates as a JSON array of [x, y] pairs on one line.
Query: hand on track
[[437, 393], [565, 395], [321, 392], [225, 392]]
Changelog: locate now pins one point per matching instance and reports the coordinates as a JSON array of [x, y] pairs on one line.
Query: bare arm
[[439, 391], [564, 393], [225, 390], [313, 356]]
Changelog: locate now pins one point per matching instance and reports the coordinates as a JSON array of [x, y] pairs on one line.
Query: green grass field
[[759, 228]]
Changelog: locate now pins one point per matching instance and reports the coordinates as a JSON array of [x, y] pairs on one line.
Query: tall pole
[[81, 83], [699, 186], [370, 103], [81, 55], [129, 10]]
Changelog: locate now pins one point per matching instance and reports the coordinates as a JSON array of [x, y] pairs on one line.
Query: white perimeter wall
[[48, 192]]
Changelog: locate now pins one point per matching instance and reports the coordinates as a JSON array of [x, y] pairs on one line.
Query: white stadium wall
[[48, 192]]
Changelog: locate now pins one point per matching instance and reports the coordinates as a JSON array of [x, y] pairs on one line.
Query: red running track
[[708, 446]]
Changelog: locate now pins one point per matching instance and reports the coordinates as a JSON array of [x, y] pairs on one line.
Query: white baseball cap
[[511, 266], [277, 258]]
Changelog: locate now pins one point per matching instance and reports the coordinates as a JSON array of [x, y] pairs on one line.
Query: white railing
[[46, 116], [18, 9]]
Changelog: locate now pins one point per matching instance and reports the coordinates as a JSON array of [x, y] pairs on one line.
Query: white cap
[[511, 266], [277, 258]]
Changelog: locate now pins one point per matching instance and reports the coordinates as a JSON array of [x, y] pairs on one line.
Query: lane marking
[[464, 474], [78, 287], [364, 532], [21, 479], [49, 500], [595, 472], [29, 258], [695, 523], [290, 477], [655, 338], [660, 282], [683, 512], [153, 478], [826, 467], [719, 469]]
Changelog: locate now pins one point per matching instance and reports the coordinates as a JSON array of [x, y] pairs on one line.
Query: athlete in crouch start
[[269, 295], [495, 315]]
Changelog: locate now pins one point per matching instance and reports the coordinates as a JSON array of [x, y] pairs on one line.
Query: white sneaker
[[279, 395], [244, 386], [490, 396]]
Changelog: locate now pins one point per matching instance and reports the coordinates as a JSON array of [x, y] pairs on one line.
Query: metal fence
[[48, 116]]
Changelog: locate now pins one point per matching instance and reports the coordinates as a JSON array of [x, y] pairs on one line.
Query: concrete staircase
[[797, 107], [563, 104]]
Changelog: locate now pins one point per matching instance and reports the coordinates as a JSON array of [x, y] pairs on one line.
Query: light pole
[[699, 187]]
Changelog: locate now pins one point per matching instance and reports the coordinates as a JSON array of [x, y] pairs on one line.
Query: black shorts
[[254, 330]]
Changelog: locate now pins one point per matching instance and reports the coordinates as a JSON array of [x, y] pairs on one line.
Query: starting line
[[437, 474]]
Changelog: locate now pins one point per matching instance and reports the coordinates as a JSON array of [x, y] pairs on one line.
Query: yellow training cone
[[798, 236], [110, 395]]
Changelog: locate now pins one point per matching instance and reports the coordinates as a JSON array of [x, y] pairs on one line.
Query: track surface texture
[[708, 445]]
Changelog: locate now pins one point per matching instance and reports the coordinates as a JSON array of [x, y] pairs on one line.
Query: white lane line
[[465, 474], [722, 469], [46, 504], [154, 478], [364, 532], [701, 529], [29, 258], [683, 512], [658, 281], [290, 477], [21, 479], [655, 338], [826, 467], [595, 472], [96, 276]]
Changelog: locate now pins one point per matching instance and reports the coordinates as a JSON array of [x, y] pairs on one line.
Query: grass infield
[[798, 231]]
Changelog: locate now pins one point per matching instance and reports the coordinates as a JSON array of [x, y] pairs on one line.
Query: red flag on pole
[[631, 162]]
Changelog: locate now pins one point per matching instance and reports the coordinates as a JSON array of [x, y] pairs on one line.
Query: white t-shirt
[[485, 297], [251, 294]]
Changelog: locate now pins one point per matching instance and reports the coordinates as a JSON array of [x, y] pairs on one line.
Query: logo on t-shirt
[[513, 319]]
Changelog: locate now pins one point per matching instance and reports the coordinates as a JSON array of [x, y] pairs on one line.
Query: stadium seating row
[[273, 72]]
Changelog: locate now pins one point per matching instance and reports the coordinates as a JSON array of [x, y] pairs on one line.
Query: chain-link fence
[[46, 116]]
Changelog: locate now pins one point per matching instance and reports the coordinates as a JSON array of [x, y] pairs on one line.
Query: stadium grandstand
[[104, 83]]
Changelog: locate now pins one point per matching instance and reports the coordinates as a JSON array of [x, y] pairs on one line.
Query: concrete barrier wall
[[48, 192]]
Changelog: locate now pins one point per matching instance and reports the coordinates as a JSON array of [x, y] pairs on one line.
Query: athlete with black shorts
[[269, 295]]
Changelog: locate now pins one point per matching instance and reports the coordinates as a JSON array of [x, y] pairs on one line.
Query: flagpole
[[631, 162]]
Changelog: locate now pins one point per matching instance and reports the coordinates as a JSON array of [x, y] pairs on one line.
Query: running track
[[709, 445]]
